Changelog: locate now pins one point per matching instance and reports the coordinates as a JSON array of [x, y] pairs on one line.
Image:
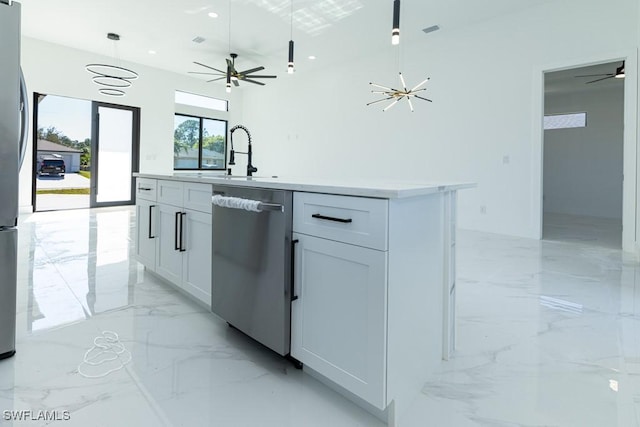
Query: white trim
[[630, 220]]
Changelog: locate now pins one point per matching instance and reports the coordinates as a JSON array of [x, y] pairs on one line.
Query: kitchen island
[[373, 276]]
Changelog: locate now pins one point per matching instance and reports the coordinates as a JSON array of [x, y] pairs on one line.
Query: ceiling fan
[[233, 75], [619, 74]]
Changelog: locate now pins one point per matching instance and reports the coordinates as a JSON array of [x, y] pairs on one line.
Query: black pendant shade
[[395, 31], [290, 67]]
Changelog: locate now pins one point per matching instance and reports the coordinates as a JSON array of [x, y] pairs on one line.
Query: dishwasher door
[[251, 266]]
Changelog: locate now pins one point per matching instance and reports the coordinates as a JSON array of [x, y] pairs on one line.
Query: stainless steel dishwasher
[[251, 265]]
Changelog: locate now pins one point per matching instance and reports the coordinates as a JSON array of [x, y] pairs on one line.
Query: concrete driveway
[[70, 180]]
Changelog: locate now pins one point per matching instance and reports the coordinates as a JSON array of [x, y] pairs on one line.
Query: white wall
[[480, 127], [583, 166], [57, 70]]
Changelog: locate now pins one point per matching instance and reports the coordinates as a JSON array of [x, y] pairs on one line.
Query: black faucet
[[232, 158]]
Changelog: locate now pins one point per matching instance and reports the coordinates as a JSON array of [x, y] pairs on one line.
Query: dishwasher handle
[[239, 203]]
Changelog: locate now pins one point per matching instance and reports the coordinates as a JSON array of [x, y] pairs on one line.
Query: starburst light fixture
[[397, 95]]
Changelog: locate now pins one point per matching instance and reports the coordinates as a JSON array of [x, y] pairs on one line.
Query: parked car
[[51, 167]]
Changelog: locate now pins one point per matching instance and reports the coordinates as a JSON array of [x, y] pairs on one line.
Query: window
[[199, 143], [565, 121], [194, 100]]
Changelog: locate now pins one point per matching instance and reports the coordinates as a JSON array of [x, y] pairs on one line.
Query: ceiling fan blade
[[206, 66], [380, 100], [253, 81], [597, 80], [235, 82], [262, 77], [596, 75], [253, 70], [206, 74], [215, 80], [230, 65]]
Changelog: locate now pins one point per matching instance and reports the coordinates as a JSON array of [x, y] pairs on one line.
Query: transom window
[[565, 121]]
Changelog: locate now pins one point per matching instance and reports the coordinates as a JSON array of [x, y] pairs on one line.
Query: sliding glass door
[[115, 144]]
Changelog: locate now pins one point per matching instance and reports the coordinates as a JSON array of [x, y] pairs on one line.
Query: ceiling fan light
[[620, 71], [228, 87], [395, 32]]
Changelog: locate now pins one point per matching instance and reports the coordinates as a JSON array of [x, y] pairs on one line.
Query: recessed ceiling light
[[212, 15], [312, 57], [152, 52]]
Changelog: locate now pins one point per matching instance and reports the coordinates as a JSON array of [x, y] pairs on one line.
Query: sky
[[70, 116]]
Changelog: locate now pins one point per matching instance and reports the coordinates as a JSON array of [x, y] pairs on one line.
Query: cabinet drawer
[[146, 189], [170, 192], [356, 220], [198, 196]]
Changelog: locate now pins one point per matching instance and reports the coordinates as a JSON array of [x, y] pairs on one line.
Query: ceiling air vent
[[431, 29], [198, 39]]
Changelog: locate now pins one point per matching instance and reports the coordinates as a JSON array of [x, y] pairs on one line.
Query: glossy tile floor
[[549, 335], [605, 232]]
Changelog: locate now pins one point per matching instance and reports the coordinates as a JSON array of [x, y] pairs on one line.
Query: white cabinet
[[339, 318], [196, 261], [180, 226], [146, 210], [145, 232], [168, 249], [368, 274]]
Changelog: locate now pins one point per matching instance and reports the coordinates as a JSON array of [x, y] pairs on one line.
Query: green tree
[[186, 136], [214, 143]]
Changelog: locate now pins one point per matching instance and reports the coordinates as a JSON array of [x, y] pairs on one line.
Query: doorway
[[85, 153], [583, 155]]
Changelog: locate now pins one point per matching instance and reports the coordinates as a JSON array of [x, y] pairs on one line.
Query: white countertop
[[350, 187]]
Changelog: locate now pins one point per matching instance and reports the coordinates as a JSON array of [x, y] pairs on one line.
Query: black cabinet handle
[[150, 220], [175, 236], [293, 269], [182, 215], [330, 218], [144, 189]]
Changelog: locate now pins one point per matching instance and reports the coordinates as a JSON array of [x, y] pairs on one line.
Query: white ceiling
[[260, 29]]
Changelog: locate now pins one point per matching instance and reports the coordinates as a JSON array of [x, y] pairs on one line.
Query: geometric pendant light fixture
[[395, 30], [389, 93], [112, 79]]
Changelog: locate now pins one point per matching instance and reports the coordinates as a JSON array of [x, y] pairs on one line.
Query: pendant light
[[395, 31], [112, 79], [290, 66]]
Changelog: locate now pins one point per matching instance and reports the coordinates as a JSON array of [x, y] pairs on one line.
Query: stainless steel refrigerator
[[13, 133]]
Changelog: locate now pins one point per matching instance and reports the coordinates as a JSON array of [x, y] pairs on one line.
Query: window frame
[[201, 120]]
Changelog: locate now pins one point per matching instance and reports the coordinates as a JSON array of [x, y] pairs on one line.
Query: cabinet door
[[168, 255], [196, 268], [145, 233], [339, 320]]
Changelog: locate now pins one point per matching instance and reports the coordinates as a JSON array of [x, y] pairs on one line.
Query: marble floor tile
[[548, 335]]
